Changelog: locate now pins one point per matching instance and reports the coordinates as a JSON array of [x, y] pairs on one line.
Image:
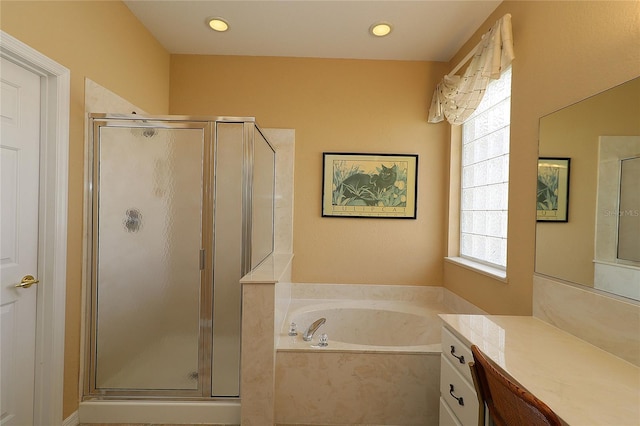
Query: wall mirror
[[599, 244]]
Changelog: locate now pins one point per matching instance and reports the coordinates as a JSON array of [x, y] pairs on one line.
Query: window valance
[[456, 97]]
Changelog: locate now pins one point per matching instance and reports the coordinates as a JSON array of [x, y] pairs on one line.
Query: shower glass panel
[[263, 199], [148, 219], [228, 265]]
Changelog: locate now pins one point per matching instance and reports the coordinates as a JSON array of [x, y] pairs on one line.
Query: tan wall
[[102, 41], [565, 51], [345, 106]]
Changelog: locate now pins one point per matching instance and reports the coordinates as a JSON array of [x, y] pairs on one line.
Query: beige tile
[[258, 354], [283, 141], [607, 322], [392, 389]]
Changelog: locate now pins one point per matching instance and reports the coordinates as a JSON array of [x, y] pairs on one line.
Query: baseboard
[[72, 420], [223, 412]]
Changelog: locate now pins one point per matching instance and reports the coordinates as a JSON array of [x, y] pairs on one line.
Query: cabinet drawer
[[458, 394], [457, 353], [447, 418]]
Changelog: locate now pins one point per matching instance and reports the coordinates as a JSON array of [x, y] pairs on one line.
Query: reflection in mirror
[[629, 219], [617, 216], [599, 244]]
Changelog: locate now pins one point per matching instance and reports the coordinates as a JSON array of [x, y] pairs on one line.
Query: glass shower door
[[149, 185]]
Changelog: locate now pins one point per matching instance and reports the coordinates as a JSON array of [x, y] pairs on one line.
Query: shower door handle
[[27, 281]]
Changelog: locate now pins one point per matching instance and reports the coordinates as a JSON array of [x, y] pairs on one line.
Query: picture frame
[[369, 185], [552, 198]]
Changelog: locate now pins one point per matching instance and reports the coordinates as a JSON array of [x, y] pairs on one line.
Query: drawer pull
[[460, 399], [453, 352]]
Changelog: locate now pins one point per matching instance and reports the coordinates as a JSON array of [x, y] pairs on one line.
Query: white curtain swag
[[456, 97]]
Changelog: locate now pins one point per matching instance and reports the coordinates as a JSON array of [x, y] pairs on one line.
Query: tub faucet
[[308, 335]]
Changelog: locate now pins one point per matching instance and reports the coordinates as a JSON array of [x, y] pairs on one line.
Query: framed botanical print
[[369, 185], [552, 201]]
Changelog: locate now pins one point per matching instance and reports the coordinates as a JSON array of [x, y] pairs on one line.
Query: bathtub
[[365, 326], [381, 365]]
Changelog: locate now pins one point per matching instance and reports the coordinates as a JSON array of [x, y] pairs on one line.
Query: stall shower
[[180, 209]]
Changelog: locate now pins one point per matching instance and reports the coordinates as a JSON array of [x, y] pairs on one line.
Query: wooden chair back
[[508, 403]]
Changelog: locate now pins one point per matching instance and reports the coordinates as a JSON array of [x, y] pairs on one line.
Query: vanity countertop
[[581, 383]]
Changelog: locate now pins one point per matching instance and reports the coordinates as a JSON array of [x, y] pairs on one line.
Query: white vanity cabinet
[[458, 400]]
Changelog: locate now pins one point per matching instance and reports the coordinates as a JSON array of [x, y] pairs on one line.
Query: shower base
[[173, 412]]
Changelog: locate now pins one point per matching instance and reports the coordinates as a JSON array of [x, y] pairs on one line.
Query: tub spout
[[308, 335]]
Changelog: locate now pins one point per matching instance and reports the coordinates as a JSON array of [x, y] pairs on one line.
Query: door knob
[[27, 281]]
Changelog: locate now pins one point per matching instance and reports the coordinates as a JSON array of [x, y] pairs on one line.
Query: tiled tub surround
[[259, 318], [383, 359], [355, 388]]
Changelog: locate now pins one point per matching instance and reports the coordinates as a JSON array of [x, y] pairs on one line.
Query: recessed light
[[218, 24], [380, 29]]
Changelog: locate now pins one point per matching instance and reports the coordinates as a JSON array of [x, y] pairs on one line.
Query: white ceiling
[[432, 30]]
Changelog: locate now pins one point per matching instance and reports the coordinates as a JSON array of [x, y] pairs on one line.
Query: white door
[[19, 155]]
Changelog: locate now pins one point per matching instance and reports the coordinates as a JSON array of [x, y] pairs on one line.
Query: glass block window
[[485, 177]]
